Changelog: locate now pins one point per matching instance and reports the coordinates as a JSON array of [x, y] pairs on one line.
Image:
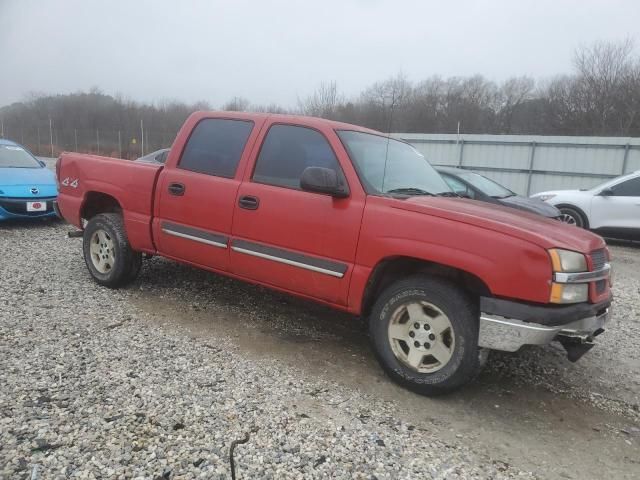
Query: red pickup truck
[[356, 220]]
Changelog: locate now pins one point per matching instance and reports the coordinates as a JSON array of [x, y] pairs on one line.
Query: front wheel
[[107, 252], [571, 216], [424, 333]]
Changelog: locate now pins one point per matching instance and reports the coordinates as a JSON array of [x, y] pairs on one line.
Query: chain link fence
[[110, 142]]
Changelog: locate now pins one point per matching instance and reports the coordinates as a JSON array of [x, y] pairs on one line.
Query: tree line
[[601, 96]]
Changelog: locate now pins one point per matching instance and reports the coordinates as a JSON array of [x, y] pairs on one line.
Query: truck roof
[[302, 119], [4, 141]]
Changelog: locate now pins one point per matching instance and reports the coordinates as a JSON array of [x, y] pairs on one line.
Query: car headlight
[[566, 261], [546, 197]]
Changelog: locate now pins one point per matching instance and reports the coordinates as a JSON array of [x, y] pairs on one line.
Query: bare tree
[[606, 73], [323, 102], [236, 104], [511, 95]]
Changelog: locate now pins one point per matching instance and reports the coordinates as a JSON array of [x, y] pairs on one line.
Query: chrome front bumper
[[499, 333]]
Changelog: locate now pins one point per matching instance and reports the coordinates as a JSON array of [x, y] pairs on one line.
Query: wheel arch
[[582, 213], [390, 269], [99, 202]]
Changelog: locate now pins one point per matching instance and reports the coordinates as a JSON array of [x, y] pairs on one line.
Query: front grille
[[18, 206], [598, 259]]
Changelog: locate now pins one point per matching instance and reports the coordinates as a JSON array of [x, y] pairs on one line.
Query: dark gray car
[[159, 157], [473, 185]]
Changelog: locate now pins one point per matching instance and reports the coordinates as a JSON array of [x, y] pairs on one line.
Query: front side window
[[388, 166], [13, 156], [215, 147], [287, 151], [630, 188]]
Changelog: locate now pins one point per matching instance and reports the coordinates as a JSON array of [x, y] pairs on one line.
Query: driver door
[[300, 241]]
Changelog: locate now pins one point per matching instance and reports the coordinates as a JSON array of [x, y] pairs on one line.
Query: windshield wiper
[[410, 191], [448, 194], [500, 197]]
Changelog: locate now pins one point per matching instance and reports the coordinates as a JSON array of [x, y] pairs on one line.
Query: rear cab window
[[215, 147]]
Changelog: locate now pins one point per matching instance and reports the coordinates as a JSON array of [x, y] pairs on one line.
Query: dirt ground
[[533, 409]]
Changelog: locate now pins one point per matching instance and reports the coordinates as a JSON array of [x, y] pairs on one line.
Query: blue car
[[27, 188]]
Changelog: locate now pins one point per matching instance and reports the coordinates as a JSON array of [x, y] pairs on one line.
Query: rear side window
[[215, 147], [630, 188], [286, 152]]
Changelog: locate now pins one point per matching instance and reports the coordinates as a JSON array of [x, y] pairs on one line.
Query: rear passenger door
[[296, 240], [197, 195]]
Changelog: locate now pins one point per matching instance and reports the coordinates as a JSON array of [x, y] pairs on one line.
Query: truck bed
[[133, 184]]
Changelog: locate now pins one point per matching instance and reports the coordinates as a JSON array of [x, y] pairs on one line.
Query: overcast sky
[[276, 51]]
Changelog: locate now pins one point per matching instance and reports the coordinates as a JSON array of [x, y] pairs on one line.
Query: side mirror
[[42, 164], [323, 180], [607, 192]]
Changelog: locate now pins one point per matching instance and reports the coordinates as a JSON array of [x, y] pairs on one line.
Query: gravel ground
[[157, 380]]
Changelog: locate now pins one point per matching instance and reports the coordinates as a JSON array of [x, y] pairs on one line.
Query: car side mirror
[[607, 192], [42, 164], [323, 180]]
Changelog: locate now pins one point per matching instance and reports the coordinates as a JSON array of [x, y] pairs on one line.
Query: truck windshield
[[12, 156], [388, 166]]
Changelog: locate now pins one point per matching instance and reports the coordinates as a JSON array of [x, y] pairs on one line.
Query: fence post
[[75, 136], [98, 140], [625, 159], [51, 135], [531, 158], [461, 152], [38, 130], [119, 145]]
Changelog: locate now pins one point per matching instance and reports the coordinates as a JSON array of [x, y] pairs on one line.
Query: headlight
[[567, 261], [546, 197]]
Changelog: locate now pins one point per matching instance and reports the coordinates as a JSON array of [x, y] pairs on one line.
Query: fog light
[[569, 292]]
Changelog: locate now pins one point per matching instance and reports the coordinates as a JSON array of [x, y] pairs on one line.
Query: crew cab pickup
[[354, 219]]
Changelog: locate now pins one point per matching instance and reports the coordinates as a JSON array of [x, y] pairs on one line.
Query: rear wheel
[[107, 252], [424, 333], [571, 216]]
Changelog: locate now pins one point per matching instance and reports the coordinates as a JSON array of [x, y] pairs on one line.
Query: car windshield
[[485, 185], [13, 156], [388, 166]]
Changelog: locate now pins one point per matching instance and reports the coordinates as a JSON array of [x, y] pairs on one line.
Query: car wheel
[[107, 252], [424, 333], [571, 216]]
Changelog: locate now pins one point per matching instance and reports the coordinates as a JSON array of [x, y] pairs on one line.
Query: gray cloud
[[275, 51]]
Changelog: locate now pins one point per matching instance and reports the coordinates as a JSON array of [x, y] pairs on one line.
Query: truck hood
[[545, 232]]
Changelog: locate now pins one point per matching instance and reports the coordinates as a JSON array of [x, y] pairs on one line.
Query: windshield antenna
[[386, 153]]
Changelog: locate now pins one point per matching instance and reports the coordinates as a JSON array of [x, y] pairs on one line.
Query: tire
[[572, 216], [422, 300], [107, 253]]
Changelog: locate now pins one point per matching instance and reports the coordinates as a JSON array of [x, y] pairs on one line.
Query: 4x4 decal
[[68, 182]]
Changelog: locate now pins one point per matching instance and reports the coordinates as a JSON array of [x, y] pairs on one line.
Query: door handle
[[176, 189], [249, 202]]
